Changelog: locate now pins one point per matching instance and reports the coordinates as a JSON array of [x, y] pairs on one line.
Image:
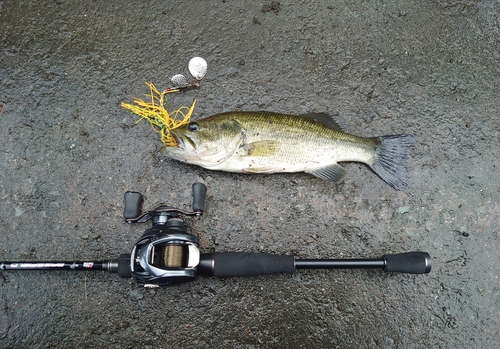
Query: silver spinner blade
[[179, 80], [197, 67]]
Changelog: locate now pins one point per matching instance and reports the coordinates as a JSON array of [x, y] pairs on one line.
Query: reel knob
[[199, 196], [133, 202]]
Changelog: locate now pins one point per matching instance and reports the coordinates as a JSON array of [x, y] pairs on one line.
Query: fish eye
[[193, 126]]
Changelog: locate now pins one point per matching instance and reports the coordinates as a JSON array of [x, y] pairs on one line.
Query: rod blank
[[339, 263], [409, 262], [59, 265]]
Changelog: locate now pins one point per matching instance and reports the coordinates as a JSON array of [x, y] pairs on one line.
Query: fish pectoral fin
[[262, 148], [332, 173]]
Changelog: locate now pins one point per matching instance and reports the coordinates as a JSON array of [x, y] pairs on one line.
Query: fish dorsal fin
[[331, 121], [262, 148], [332, 173]]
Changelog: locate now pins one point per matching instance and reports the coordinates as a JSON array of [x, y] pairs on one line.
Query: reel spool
[[165, 258], [171, 256]]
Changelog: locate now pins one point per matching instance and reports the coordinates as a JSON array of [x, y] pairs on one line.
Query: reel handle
[[133, 201]]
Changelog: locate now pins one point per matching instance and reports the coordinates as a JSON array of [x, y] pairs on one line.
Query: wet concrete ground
[[68, 152]]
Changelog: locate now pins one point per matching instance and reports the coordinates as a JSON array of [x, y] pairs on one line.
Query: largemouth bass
[[264, 142]]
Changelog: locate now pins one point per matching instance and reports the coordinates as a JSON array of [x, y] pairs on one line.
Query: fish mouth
[[178, 140], [183, 140]]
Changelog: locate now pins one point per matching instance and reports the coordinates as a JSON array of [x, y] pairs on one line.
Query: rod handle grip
[[232, 264], [409, 262]]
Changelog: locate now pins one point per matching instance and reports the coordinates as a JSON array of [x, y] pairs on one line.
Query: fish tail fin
[[391, 155]]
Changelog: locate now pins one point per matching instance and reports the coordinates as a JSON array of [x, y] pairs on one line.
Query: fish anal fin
[[262, 148], [332, 173]]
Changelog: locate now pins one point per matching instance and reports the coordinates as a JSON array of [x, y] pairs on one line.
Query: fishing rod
[[167, 254]]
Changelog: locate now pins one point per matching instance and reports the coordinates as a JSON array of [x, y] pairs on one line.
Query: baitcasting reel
[[167, 254]]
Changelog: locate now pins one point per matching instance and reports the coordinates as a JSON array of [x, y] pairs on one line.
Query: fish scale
[[300, 139]]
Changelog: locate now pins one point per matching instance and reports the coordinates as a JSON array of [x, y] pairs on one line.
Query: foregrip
[[123, 268]]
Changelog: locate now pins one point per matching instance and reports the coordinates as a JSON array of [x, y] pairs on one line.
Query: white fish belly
[[296, 158]]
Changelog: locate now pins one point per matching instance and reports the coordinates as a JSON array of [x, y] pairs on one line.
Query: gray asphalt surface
[[68, 152]]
